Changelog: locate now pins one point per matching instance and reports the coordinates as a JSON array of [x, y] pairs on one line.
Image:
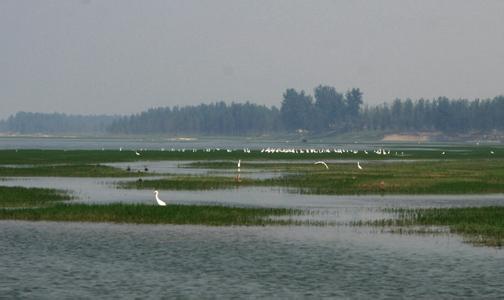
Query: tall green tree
[[329, 108], [296, 110]]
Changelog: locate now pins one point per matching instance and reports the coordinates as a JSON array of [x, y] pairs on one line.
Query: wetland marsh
[[417, 215]]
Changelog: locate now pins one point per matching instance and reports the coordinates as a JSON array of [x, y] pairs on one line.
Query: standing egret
[[322, 163], [359, 166], [238, 179], [159, 201]]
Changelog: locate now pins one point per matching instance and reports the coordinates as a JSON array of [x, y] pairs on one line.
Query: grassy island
[[35, 204], [481, 176]]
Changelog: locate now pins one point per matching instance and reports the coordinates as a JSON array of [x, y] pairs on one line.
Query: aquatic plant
[[70, 170], [479, 225], [30, 197], [150, 214]]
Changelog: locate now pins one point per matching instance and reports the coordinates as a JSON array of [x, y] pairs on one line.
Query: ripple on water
[[58, 260]]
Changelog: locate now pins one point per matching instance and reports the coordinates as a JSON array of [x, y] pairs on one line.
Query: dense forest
[[50, 123], [326, 111], [216, 119]]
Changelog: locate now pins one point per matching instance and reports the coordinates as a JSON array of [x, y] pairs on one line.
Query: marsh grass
[[430, 151], [436, 177], [149, 214], [74, 170], [29, 197], [479, 225]]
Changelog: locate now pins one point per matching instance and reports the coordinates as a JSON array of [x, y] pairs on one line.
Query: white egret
[[359, 166], [239, 163], [137, 154], [491, 152], [159, 201], [322, 163], [443, 153]]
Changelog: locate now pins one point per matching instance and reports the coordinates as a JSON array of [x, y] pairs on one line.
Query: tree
[[353, 99], [329, 107], [296, 110]]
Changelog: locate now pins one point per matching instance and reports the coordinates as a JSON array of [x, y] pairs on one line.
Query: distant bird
[[491, 152], [159, 201], [239, 163], [359, 166], [137, 154], [443, 153], [322, 163]]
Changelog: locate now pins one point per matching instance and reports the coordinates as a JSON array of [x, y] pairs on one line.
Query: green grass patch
[[78, 170], [479, 225], [29, 197], [432, 177], [149, 214]]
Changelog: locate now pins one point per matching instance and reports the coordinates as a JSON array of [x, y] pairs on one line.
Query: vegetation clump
[[73, 170], [479, 225], [30, 197], [150, 214]]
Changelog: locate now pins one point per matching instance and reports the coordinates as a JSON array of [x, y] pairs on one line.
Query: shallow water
[[75, 260], [328, 208], [182, 168]]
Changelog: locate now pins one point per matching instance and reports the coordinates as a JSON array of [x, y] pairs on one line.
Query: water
[[75, 260], [156, 143], [181, 168]]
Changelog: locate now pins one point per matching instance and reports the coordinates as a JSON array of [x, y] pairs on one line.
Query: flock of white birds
[[268, 150]]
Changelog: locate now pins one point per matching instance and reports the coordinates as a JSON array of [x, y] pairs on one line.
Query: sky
[[122, 56]]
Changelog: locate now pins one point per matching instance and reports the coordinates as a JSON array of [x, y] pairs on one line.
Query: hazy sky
[[119, 56]]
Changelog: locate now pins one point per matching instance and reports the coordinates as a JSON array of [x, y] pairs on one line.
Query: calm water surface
[[68, 260]]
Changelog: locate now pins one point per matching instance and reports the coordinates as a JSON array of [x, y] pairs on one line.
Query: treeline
[[441, 114], [326, 111], [210, 119], [52, 123]]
